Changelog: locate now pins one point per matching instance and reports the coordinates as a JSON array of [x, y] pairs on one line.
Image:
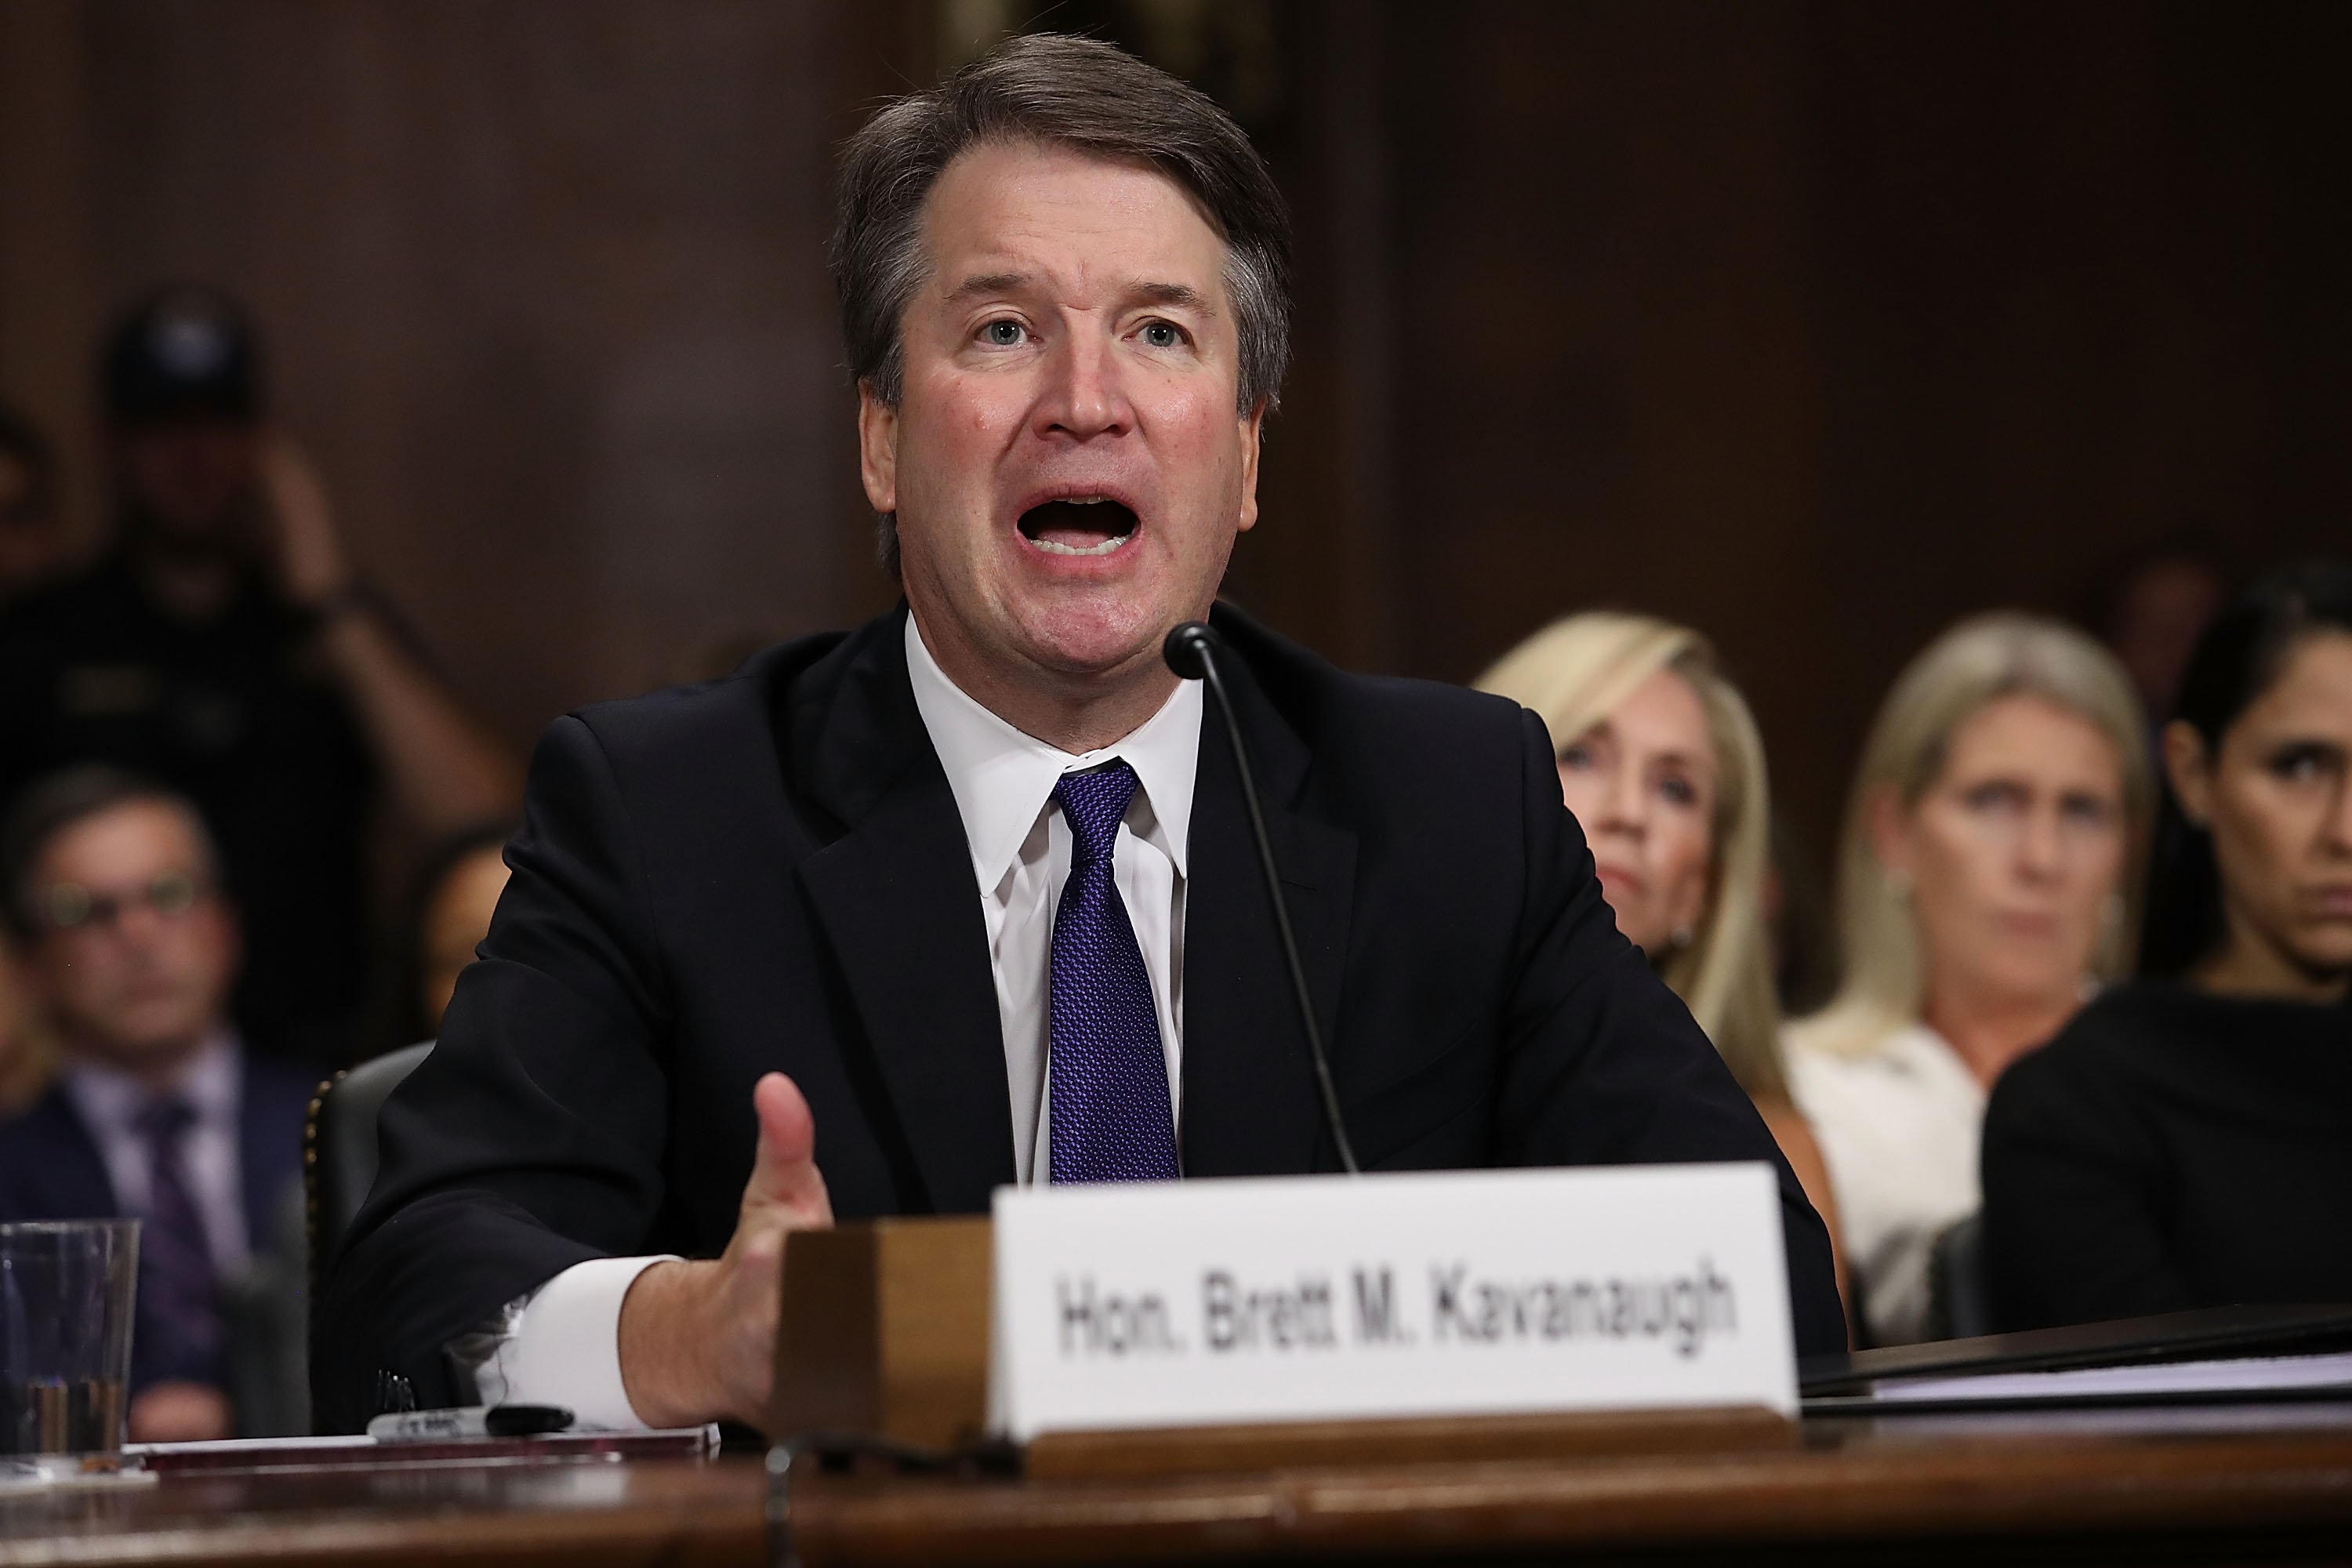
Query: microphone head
[[1188, 650]]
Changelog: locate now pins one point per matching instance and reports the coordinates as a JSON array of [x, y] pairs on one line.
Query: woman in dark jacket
[[2186, 1141]]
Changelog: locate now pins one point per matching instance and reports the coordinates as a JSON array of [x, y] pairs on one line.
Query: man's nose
[[1084, 395], [137, 924]]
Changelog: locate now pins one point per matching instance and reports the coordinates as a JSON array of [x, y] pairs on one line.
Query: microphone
[[1191, 652]]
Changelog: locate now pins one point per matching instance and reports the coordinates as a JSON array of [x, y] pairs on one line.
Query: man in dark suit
[[113, 890], [967, 897]]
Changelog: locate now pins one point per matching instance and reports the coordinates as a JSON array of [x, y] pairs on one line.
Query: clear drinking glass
[[67, 1292]]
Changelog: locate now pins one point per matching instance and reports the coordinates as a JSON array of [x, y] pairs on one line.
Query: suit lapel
[[1250, 1101], [896, 898]]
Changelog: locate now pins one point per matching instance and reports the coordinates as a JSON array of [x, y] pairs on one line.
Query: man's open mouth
[[1079, 525]]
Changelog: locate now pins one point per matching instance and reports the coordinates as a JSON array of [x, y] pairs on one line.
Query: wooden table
[[2211, 1486], [679, 1511]]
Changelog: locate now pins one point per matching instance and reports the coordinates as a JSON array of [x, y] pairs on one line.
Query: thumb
[[784, 1172]]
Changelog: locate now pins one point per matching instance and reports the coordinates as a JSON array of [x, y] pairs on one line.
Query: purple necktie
[[1111, 1120], [178, 1331]]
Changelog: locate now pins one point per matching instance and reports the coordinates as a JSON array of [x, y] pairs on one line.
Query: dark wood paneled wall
[[1821, 326], [1816, 324], [541, 284]]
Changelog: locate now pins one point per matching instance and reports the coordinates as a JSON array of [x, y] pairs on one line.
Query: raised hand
[[305, 554], [698, 1339]]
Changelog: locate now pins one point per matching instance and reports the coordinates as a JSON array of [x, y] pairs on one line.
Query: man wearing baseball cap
[[223, 644]]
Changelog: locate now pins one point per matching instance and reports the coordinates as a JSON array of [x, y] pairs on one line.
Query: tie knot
[[165, 1119], [1096, 803]]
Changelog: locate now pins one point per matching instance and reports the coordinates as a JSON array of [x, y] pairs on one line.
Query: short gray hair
[[1063, 91]]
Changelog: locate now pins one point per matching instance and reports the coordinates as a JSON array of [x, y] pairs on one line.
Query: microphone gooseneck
[[1191, 651]]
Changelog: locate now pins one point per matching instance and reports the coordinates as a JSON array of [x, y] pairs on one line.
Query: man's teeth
[[1055, 547]]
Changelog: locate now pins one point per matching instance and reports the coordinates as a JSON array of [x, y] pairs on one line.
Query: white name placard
[[1456, 1293]]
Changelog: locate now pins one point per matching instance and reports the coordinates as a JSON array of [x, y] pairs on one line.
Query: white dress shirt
[[213, 1083], [562, 1344], [1899, 1127], [1004, 783]]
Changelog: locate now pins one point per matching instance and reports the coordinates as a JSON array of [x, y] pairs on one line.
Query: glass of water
[[67, 1292]]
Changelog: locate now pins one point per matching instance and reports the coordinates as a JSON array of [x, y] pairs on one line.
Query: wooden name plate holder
[[883, 1333]]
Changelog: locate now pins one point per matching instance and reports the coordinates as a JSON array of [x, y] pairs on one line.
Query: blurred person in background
[[452, 895], [2151, 609], [1984, 884], [113, 890], [2186, 1141], [225, 646], [33, 544], [1660, 763]]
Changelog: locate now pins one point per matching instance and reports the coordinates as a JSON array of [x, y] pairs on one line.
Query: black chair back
[[338, 1148], [1959, 1306]]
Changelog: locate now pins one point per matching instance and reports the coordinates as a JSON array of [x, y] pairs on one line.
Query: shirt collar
[[108, 1098], [1002, 778]]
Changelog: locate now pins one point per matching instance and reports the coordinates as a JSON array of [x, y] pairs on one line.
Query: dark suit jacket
[[50, 1167], [770, 872]]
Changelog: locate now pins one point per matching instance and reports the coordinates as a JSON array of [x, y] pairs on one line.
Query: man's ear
[[878, 449], [2191, 769], [1253, 434]]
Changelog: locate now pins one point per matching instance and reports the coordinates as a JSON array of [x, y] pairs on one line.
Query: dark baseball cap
[[185, 352]]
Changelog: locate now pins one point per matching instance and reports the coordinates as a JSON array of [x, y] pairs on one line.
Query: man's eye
[[1161, 334], [1002, 335]]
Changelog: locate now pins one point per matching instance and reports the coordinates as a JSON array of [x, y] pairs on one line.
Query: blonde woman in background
[[1985, 881], [1660, 763]]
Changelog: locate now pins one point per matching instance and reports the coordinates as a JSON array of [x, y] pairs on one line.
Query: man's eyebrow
[[987, 283], [1181, 295]]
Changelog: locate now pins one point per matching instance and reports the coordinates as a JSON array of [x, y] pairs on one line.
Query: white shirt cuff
[[565, 1347]]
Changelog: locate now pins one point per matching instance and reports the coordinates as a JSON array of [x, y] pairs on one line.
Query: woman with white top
[[1984, 887], [1660, 761]]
